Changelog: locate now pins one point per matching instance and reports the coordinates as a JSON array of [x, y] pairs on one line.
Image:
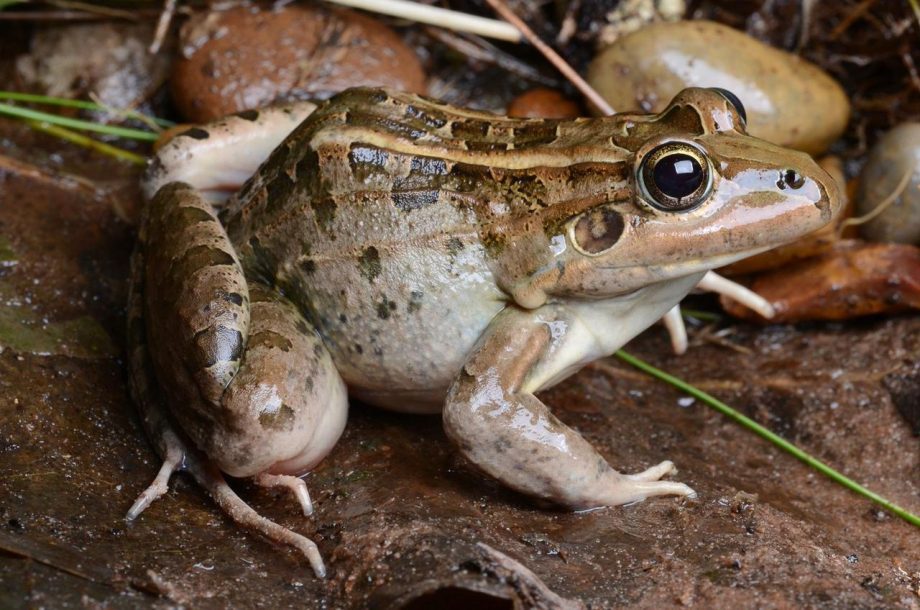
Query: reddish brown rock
[[853, 279], [248, 57], [543, 103]]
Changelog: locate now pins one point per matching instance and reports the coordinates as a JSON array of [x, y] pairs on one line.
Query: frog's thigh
[[505, 430], [287, 405], [248, 379]]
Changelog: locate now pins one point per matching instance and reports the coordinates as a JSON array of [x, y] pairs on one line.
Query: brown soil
[[399, 517]]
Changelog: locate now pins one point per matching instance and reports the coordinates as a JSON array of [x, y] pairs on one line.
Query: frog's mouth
[[668, 271]]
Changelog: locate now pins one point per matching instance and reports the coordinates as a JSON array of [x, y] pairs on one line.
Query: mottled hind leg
[[239, 368], [495, 420]]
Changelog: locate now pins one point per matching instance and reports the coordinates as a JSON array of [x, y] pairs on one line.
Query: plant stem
[[18, 96], [87, 142], [780, 442], [53, 119]]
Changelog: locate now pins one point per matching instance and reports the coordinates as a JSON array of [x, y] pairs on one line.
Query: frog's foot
[[179, 456], [178, 452], [655, 472], [173, 460], [297, 486], [674, 322], [209, 477], [713, 282], [628, 490], [218, 157], [647, 482]]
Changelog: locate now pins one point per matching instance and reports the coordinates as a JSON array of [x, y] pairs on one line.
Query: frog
[[389, 248]]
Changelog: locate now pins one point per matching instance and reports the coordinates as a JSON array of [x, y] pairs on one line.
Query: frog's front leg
[[494, 418], [244, 375]]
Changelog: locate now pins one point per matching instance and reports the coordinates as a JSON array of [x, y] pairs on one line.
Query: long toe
[[655, 472]]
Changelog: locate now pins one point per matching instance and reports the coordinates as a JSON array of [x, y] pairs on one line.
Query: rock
[[789, 101], [247, 57], [117, 67], [543, 103], [895, 155]]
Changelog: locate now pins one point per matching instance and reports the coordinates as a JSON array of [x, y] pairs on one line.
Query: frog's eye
[[674, 177]]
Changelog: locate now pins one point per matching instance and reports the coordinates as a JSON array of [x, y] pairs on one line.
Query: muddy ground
[[400, 519], [398, 515]]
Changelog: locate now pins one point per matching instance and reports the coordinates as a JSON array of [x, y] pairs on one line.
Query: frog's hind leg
[[240, 369]]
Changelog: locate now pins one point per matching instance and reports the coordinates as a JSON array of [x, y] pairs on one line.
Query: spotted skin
[[433, 258]]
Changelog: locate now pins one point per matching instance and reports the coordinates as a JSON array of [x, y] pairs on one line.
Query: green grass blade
[[53, 119], [18, 96], [704, 316], [87, 142], [780, 442]]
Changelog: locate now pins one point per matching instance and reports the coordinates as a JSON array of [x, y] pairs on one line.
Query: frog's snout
[[828, 199]]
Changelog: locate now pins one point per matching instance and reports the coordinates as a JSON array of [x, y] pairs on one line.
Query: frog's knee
[[267, 428], [463, 415], [286, 407]]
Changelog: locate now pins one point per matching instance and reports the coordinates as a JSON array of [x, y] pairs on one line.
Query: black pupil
[[678, 175]]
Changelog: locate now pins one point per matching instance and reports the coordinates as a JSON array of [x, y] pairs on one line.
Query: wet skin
[[427, 258]]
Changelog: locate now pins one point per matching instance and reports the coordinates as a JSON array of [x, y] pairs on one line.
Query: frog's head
[[702, 194]]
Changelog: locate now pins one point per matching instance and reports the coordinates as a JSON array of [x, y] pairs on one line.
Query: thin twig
[[883, 205], [852, 16], [434, 15], [709, 334], [554, 58], [479, 49], [908, 61], [56, 178], [777, 440], [49, 16], [166, 17], [95, 9]]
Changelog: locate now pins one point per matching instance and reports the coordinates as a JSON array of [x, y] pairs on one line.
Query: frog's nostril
[[791, 179]]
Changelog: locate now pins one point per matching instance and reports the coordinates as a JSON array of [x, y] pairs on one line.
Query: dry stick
[[554, 58], [95, 9], [433, 15], [848, 20], [476, 48], [777, 440], [49, 16], [883, 205], [163, 22], [56, 178]]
